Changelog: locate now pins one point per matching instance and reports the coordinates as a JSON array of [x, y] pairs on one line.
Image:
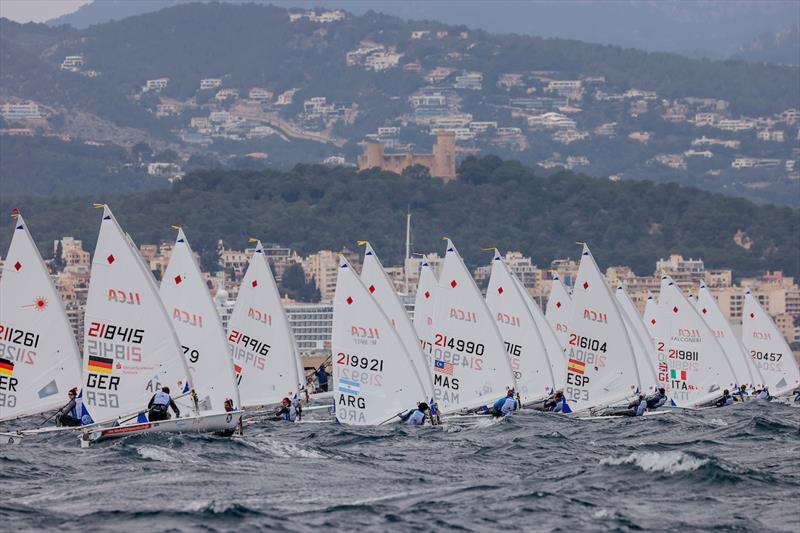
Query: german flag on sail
[[576, 366], [100, 364], [6, 367]]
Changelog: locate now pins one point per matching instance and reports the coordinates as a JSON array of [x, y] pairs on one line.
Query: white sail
[[470, 365], [744, 367], [768, 348], [374, 277], [602, 368], [199, 328], [260, 338], [424, 307], [39, 360], [693, 366], [130, 347], [555, 351], [646, 358], [524, 344], [373, 374], [558, 309]]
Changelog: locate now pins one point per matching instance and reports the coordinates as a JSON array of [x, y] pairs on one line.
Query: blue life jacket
[[79, 411], [162, 398], [640, 409], [510, 404], [728, 399], [558, 407], [416, 418], [498, 405]]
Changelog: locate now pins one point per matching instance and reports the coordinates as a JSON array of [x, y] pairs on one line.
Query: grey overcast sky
[[37, 10]]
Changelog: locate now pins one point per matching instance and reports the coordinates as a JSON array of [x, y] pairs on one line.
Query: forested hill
[[494, 203], [263, 48]]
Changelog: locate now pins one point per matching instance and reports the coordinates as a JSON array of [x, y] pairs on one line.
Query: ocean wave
[[278, 448], [669, 462]]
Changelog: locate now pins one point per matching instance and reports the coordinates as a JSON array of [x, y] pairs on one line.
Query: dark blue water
[[736, 468]]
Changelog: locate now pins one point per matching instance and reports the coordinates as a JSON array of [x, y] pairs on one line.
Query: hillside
[[495, 203], [288, 86]]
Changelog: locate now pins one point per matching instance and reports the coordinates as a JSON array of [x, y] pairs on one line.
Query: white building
[[259, 94], [72, 63], [210, 83]]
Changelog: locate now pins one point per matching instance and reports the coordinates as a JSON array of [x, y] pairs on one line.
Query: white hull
[[204, 423], [609, 417]]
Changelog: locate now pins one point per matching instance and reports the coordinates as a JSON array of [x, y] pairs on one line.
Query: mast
[[408, 248]]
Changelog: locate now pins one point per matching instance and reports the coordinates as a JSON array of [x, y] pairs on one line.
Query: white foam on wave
[[155, 453], [669, 462], [283, 449]]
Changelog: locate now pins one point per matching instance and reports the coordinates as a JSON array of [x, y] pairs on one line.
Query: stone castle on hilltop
[[441, 163]]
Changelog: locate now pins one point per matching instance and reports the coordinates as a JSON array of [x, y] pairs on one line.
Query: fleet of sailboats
[[461, 353]]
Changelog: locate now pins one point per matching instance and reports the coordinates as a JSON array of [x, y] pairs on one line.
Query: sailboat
[[199, 328], [131, 349], [559, 306], [602, 367], [424, 307], [39, 359], [768, 348], [374, 378], [374, 277], [471, 368], [553, 347], [646, 358], [265, 358], [693, 366], [744, 367], [524, 345]]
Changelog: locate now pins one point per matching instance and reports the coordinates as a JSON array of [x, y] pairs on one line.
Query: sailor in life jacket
[[654, 401], [638, 407], [416, 417], [289, 410], [69, 415], [160, 404], [505, 405], [741, 394], [762, 394], [726, 399], [557, 404]]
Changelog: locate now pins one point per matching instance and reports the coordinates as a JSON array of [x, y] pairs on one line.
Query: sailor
[[416, 417], [557, 404], [69, 414], [654, 401], [228, 405], [287, 411], [741, 394], [762, 394], [639, 406], [159, 406], [726, 399], [505, 405], [322, 378]]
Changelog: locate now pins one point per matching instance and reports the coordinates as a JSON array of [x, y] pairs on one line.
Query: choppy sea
[[735, 468]]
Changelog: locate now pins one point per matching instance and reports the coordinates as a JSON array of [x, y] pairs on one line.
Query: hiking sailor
[[741, 394], [654, 401], [289, 410], [505, 405], [726, 399], [557, 404], [69, 415], [159, 406], [416, 416]]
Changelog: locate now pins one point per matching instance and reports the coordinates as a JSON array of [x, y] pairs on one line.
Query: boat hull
[[204, 423], [10, 438]]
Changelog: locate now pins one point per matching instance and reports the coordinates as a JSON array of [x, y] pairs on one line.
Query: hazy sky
[[37, 10]]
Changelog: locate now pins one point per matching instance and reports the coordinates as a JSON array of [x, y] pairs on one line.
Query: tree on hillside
[[295, 286]]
